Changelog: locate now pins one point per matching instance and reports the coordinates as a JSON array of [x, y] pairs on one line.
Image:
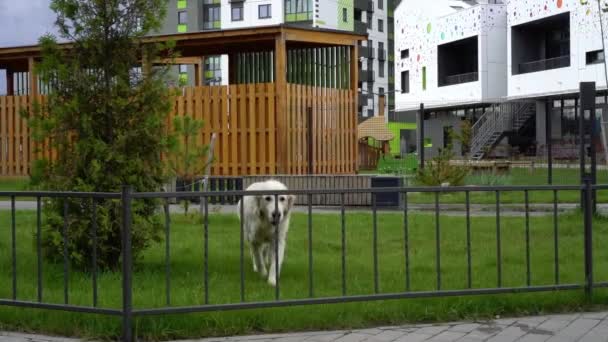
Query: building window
[[237, 11], [182, 17], [212, 18], [405, 53], [405, 82], [183, 75], [345, 15], [298, 10], [594, 57], [381, 65], [380, 25], [182, 22], [213, 70], [380, 4], [264, 11], [370, 21]]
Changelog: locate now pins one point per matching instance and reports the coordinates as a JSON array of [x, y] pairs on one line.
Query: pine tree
[[106, 120]]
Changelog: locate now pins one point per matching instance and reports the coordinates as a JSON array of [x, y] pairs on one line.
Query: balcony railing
[[363, 5], [367, 52], [366, 76], [460, 78], [360, 27], [544, 64]]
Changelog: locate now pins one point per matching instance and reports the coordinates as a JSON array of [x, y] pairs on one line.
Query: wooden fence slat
[[261, 127], [234, 127], [3, 135], [11, 136], [272, 127], [224, 128], [242, 114], [251, 98]]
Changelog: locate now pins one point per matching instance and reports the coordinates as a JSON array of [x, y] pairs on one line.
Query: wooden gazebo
[[296, 116]]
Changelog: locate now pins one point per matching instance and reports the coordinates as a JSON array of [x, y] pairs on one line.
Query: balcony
[[382, 54], [544, 64], [363, 5], [366, 76], [360, 27], [363, 99], [458, 79], [366, 52]]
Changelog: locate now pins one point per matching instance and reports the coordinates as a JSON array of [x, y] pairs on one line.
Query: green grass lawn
[[14, 184], [517, 177], [187, 275]]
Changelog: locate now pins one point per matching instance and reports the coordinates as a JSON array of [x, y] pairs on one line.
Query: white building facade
[[530, 57]]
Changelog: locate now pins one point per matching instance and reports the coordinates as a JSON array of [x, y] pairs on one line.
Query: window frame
[[182, 20], [405, 82], [241, 9], [268, 11]]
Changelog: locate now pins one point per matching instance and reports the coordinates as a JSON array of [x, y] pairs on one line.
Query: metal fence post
[[127, 266], [588, 223]]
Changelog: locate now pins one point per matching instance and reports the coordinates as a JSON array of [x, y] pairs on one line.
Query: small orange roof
[[375, 128]]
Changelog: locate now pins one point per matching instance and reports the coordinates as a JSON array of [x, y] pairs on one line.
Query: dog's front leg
[[254, 260], [258, 260], [274, 272]]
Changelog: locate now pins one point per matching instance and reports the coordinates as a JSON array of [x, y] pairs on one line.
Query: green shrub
[[439, 171]]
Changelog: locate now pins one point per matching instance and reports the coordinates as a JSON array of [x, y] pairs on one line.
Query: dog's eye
[[268, 198], [282, 199]]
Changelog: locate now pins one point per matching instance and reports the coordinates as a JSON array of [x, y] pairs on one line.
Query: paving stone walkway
[[583, 327], [586, 327]]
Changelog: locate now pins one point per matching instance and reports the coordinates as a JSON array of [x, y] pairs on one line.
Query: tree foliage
[[106, 120], [440, 171], [189, 156]]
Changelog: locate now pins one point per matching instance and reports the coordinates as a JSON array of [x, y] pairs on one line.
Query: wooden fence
[[16, 154], [368, 156], [243, 117], [321, 125], [322, 128]]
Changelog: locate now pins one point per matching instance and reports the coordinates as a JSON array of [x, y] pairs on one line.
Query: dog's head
[[275, 208]]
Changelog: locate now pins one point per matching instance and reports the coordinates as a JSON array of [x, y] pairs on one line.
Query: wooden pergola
[[279, 39]]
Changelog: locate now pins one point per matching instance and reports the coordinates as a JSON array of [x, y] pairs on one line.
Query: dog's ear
[[291, 200], [259, 200]]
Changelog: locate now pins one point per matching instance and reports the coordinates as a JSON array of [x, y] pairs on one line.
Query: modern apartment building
[[500, 65], [362, 16]]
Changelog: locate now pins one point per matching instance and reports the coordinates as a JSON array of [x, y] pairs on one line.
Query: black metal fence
[[129, 312]]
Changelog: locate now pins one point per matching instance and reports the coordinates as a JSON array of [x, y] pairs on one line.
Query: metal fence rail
[[129, 312]]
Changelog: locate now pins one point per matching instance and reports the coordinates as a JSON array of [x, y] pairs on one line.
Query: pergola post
[[280, 71], [198, 73], [354, 86], [33, 77]]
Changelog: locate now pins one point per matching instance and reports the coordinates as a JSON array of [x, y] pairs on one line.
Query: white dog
[[261, 216]]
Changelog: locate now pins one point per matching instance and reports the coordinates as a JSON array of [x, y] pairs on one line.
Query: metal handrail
[[498, 119], [544, 64]]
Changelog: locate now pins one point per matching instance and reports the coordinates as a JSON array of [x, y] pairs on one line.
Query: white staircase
[[496, 121]]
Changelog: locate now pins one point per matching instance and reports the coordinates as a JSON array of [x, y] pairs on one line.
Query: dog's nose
[[276, 216]]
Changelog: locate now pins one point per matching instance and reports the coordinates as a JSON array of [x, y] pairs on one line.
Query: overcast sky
[[22, 22]]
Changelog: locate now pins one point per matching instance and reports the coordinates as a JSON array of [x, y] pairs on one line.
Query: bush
[[105, 121], [439, 171]]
